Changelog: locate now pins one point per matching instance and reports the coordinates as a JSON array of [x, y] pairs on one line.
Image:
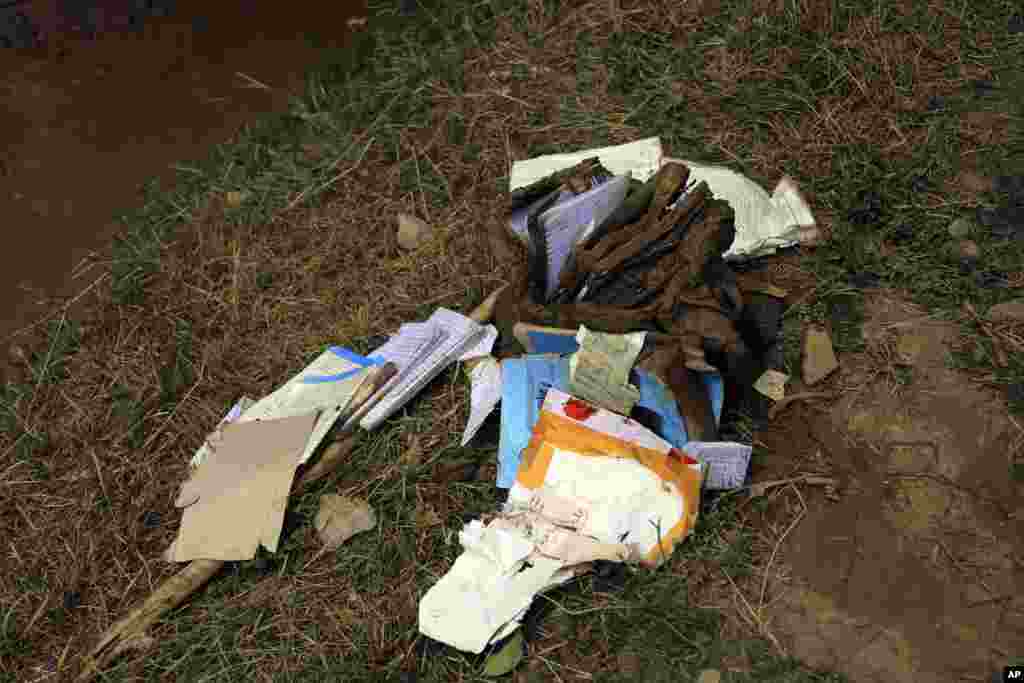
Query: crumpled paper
[[592, 485], [764, 223]]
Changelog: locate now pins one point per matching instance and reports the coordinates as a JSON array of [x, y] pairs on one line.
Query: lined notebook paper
[[422, 351], [570, 222]]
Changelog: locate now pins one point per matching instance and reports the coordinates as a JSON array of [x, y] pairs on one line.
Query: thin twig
[[61, 309], [253, 83], [771, 560], [804, 396], [333, 180]]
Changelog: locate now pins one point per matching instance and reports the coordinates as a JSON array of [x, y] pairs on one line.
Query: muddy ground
[[913, 570], [87, 117]]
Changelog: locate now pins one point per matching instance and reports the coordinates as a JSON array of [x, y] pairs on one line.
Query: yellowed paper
[[772, 384], [599, 370]]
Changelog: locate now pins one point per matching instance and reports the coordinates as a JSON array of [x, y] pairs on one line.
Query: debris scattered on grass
[[339, 518], [772, 384], [710, 676], [235, 501], [234, 198], [761, 488], [412, 232], [795, 398], [819, 360], [506, 658]]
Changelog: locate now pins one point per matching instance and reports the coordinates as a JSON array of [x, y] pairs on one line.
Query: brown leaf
[[340, 518]]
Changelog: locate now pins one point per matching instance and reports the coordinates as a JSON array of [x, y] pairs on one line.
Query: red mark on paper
[[676, 453], [579, 410]]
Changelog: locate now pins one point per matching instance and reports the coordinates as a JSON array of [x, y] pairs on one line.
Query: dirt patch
[[83, 123], [915, 572]]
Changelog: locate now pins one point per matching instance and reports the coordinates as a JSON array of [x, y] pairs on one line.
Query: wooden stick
[[805, 396], [130, 632]]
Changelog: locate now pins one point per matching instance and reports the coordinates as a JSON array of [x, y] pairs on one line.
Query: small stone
[[412, 232], [936, 103], [819, 358], [909, 347], [1008, 311], [710, 676], [920, 184], [960, 228], [341, 517], [17, 353]]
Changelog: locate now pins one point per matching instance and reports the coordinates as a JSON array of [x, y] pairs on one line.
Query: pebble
[[412, 232]]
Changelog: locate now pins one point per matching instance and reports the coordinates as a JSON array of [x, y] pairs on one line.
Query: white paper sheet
[[462, 332], [487, 588], [727, 462], [764, 223], [484, 396], [297, 397], [641, 159], [568, 223], [483, 347]]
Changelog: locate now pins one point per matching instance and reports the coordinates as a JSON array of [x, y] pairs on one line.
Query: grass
[[215, 295]]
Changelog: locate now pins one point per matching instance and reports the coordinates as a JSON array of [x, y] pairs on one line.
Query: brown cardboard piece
[[236, 500]]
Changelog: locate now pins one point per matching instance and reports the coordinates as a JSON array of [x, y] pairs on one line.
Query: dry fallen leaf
[[234, 198], [340, 518]]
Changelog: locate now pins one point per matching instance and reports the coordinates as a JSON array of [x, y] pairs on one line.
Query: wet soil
[[915, 571], [84, 122]]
